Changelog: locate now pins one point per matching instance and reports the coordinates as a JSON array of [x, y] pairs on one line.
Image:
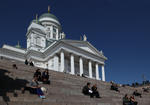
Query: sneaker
[[43, 97]]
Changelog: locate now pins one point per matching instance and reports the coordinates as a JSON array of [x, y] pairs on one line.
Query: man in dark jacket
[[31, 63], [114, 87], [136, 93], [26, 62], [86, 90], [45, 77]]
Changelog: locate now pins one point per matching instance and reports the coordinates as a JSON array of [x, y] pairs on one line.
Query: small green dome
[[48, 15], [35, 21]]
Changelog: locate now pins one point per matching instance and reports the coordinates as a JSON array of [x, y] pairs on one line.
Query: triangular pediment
[[83, 45]]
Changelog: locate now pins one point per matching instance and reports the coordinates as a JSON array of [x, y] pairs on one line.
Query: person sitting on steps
[[114, 87], [38, 74], [26, 62], [87, 91], [35, 88], [14, 66], [126, 100], [45, 77], [95, 91], [146, 89], [83, 75], [133, 101], [31, 63], [136, 93]]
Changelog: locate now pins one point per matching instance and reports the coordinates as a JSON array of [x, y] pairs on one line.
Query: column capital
[[102, 64], [71, 54], [80, 57], [96, 63], [89, 60], [62, 51]]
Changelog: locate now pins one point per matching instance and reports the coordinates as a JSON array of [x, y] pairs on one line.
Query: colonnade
[[81, 69]]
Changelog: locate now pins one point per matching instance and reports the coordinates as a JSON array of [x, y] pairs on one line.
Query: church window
[[54, 30], [38, 41], [49, 35], [54, 35]]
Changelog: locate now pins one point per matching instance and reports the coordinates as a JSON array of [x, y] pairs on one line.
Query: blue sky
[[121, 28]]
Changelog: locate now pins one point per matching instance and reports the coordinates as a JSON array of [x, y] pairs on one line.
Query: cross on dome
[[36, 18], [48, 9]]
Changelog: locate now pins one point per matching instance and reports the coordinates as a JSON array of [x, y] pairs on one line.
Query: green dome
[[48, 15], [35, 21]]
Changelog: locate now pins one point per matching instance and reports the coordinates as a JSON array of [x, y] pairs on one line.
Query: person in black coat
[[45, 77], [136, 93], [95, 91], [26, 62], [86, 90], [38, 75], [31, 63], [114, 87]]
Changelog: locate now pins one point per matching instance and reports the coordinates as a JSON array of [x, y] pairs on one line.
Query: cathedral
[[48, 48]]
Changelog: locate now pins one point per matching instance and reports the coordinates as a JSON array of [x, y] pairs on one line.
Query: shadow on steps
[[9, 85]]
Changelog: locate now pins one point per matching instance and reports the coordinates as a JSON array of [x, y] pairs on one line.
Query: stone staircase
[[65, 89]]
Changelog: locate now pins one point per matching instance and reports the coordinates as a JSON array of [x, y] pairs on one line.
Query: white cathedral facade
[[48, 48]]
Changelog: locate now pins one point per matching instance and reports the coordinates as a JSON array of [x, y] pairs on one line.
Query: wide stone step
[[61, 103]]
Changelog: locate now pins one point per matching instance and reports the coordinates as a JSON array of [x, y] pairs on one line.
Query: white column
[[103, 73], [72, 64], [90, 69], [51, 31], [97, 71], [62, 58], [56, 62], [32, 39], [56, 34], [81, 66]]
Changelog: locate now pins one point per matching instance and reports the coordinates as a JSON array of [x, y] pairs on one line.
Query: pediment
[[84, 46]]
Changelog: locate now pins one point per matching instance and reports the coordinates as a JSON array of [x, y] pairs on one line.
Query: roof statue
[[101, 52], [18, 45], [36, 18], [48, 9], [84, 38], [63, 35]]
